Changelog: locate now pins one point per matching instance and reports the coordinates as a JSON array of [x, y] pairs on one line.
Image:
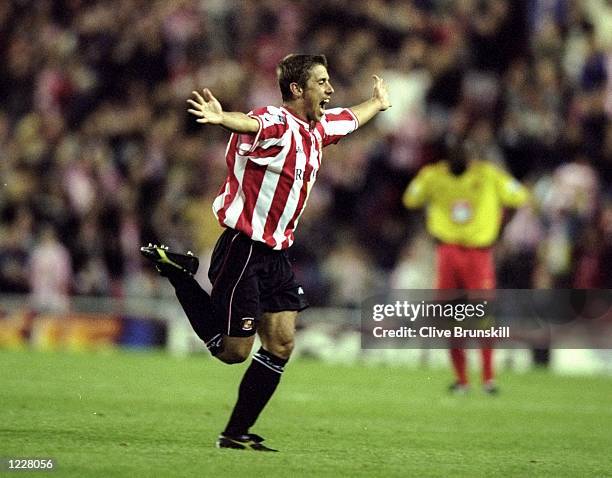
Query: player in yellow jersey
[[464, 199]]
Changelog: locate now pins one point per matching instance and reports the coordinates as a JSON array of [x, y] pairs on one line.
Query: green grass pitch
[[149, 414]]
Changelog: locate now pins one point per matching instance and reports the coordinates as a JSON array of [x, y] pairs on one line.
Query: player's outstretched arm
[[379, 102], [208, 110]]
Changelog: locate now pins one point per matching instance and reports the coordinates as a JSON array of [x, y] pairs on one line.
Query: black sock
[[257, 386], [198, 307]]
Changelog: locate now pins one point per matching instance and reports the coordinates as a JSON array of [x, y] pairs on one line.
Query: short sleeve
[[272, 127], [511, 192], [337, 123], [417, 192]]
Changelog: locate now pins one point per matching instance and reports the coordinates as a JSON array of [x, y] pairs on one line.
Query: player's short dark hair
[[295, 69]]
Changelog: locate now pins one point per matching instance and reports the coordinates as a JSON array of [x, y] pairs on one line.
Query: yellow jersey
[[465, 209]]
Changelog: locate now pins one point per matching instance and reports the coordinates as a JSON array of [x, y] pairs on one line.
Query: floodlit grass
[[148, 414]]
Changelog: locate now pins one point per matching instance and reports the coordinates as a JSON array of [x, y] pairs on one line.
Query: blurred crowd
[[98, 154]]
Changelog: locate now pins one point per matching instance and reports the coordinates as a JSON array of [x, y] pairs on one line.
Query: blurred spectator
[[15, 243], [414, 269], [50, 273], [351, 275]]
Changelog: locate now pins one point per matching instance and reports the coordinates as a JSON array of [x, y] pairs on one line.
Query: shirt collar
[[297, 118]]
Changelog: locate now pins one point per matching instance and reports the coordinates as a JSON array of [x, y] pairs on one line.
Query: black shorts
[[249, 278]]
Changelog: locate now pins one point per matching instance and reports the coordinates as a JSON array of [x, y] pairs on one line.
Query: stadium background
[[98, 155]]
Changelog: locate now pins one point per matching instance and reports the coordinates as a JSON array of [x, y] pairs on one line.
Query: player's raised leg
[[180, 269], [235, 349]]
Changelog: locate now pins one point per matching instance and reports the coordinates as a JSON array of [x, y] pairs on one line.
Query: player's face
[[317, 93]]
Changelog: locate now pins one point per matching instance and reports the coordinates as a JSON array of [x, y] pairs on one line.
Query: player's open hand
[[381, 94], [206, 107]]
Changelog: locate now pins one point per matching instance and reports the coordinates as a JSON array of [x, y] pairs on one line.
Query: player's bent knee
[[235, 349], [232, 357]]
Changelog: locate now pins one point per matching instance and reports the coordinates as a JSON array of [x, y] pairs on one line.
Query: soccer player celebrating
[[464, 199], [272, 157]]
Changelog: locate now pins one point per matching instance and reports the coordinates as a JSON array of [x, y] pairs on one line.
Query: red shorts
[[460, 267]]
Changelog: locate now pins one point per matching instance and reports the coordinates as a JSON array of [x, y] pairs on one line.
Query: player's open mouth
[[322, 105]]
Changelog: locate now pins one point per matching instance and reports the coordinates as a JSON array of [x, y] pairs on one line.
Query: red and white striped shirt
[[270, 174]]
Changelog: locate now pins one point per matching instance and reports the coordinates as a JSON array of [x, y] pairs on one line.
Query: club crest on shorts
[[247, 323]]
